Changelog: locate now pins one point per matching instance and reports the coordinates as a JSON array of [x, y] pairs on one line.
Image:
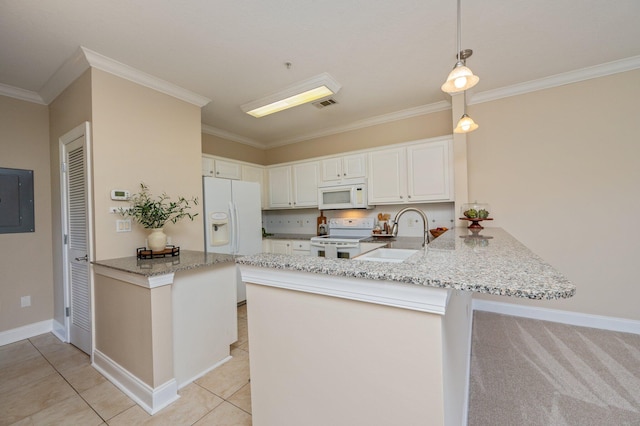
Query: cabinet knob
[[409, 196], [217, 173], [338, 174], [345, 174], [401, 197]]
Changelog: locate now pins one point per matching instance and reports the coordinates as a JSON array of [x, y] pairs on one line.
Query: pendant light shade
[[465, 125], [460, 78]]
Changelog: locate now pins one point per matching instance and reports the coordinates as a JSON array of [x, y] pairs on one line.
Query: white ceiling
[[388, 55]]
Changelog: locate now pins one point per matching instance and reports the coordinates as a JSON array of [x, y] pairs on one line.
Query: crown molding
[[84, 58], [119, 69], [210, 130], [360, 124], [570, 77], [22, 94], [68, 72]]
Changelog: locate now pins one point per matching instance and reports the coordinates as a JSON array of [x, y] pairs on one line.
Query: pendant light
[[466, 123], [460, 78]]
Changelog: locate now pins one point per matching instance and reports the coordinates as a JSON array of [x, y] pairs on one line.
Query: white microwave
[[350, 194]]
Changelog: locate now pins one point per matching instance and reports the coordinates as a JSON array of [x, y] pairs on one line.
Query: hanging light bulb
[[460, 78], [466, 123]]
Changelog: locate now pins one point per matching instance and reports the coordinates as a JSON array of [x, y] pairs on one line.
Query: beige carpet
[[531, 372]]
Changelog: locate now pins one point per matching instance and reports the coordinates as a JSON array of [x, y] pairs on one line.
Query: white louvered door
[[76, 193]]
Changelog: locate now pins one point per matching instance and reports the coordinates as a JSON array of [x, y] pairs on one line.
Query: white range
[[344, 238]]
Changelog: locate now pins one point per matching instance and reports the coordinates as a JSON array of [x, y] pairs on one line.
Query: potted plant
[[154, 214]]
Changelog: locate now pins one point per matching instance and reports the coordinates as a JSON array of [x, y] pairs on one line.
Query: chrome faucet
[[425, 223]]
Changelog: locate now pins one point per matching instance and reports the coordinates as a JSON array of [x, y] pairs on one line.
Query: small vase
[[157, 239]]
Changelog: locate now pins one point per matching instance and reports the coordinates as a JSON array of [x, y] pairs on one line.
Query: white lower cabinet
[[417, 173], [301, 247], [280, 246]]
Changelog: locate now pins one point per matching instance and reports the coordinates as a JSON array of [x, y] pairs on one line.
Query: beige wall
[[25, 258], [421, 127], [215, 145], [561, 169], [70, 109], [141, 135]]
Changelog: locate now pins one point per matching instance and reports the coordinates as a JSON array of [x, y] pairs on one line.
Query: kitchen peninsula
[[349, 342], [161, 323]]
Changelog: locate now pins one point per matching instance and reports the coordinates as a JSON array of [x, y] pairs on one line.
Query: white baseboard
[[202, 373], [150, 399], [25, 332], [60, 331], [564, 317]]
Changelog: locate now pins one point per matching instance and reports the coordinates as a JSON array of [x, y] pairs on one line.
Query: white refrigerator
[[233, 220]]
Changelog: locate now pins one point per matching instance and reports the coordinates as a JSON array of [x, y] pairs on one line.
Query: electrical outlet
[[123, 225], [25, 301]]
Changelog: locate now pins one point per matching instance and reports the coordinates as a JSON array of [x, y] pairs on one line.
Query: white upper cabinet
[[227, 169], [280, 187], [430, 172], [388, 176], [421, 172], [207, 166], [256, 174], [294, 186], [305, 184], [346, 167]]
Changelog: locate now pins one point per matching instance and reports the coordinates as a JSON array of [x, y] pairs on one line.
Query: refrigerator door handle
[[235, 228]]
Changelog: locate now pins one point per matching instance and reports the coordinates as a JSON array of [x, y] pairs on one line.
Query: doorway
[[77, 229]]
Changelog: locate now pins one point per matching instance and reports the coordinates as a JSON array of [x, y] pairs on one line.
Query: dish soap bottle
[[322, 224]]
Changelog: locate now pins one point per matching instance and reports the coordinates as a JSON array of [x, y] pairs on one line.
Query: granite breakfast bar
[[336, 341]]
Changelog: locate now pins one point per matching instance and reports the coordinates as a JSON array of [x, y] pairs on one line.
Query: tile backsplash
[[303, 221]]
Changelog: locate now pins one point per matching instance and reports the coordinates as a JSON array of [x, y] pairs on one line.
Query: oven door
[[329, 250]]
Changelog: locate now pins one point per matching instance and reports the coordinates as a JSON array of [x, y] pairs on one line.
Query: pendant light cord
[[459, 33]]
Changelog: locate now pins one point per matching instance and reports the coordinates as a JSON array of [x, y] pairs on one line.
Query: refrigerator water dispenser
[[219, 229]]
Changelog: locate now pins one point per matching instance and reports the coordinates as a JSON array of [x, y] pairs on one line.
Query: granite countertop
[[188, 259], [289, 236], [491, 262]]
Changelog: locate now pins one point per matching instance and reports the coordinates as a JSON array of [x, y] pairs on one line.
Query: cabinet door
[[280, 187], [388, 176], [429, 171], [207, 166], [301, 247], [331, 169], [227, 169], [256, 174], [354, 166], [281, 246], [305, 184]]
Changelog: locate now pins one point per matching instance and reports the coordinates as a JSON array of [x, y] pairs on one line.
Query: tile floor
[[46, 382]]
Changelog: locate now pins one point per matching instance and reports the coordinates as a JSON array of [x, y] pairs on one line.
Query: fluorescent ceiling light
[[318, 87]]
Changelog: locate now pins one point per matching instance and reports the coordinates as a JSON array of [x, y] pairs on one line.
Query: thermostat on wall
[[120, 194]]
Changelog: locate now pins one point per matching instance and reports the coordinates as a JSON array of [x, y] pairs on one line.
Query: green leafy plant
[[155, 213]]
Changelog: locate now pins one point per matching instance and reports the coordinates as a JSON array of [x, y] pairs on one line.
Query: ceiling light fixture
[[460, 78], [466, 123], [318, 87]]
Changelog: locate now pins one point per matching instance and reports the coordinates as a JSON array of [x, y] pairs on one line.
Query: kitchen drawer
[[301, 245]]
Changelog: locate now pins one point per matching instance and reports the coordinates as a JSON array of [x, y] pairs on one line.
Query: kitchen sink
[[387, 255]]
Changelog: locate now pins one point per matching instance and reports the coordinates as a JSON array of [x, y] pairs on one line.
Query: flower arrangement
[[155, 213]]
